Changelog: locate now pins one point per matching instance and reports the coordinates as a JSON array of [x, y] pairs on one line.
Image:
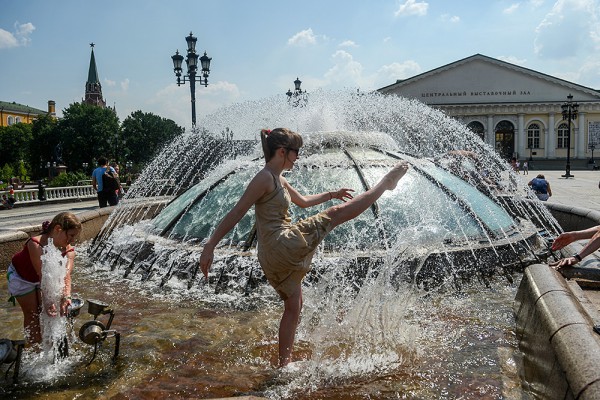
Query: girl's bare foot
[[390, 180]]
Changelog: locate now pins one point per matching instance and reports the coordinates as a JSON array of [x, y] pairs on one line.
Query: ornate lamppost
[[298, 96], [192, 69], [569, 113]]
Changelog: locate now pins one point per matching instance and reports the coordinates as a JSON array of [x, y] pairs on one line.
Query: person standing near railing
[[104, 198]]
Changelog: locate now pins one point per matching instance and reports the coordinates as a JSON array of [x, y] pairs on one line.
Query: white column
[[491, 135], [581, 145], [520, 139], [551, 137]]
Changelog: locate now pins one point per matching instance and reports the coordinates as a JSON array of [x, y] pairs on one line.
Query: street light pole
[[298, 96], [569, 113], [192, 68]]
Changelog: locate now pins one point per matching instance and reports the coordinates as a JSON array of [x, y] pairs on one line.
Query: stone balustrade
[[84, 192]]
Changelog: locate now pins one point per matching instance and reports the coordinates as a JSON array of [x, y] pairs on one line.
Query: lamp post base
[[567, 174]]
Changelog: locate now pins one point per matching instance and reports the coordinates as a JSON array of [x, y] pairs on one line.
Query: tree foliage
[[144, 134], [14, 143], [87, 132], [44, 138]]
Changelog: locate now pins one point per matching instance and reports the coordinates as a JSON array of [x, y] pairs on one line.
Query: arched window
[[477, 127], [17, 120], [533, 136], [562, 137], [505, 134], [11, 120]]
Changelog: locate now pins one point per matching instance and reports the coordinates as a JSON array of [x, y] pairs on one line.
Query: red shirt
[[22, 263]]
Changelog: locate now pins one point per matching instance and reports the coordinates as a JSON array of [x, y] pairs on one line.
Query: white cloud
[[589, 73], [511, 9], [345, 68], [391, 72], [450, 18], [536, 3], [411, 7], [387, 39], [7, 40], [513, 60], [109, 83], [348, 43], [568, 30], [19, 36], [173, 102], [303, 38], [24, 30], [125, 84]]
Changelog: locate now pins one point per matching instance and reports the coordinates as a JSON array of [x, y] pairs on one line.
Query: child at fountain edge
[[285, 249], [25, 272], [566, 238]]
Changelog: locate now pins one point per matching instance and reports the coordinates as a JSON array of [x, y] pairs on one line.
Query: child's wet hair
[[66, 220], [279, 138]]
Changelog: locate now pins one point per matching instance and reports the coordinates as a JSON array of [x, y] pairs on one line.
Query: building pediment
[[483, 80]]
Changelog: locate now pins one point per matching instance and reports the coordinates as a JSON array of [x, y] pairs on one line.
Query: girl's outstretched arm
[[314, 199], [261, 184], [569, 237]]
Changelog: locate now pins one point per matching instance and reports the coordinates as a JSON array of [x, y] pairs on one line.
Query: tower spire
[[93, 88]]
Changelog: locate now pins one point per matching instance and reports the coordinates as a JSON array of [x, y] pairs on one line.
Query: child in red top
[[25, 272]]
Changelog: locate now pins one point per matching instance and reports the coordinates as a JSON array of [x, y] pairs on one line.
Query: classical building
[[93, 88], [517, 110], [14, 113]]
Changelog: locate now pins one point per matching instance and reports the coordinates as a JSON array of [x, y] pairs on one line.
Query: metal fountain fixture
[[95, 332], [10, 353]]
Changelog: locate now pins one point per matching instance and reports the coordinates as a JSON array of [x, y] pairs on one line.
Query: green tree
[[14, 144], [45, 137], [87, 132], [144, 134], [6, 172]]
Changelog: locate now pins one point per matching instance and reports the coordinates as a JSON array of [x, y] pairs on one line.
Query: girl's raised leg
[[353, 208]]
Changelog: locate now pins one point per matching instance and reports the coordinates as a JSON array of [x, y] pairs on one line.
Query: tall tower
[[93, 88]]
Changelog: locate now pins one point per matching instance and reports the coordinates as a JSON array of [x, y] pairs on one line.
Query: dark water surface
[[452, 345]]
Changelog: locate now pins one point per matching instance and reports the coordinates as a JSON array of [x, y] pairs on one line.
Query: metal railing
[[23, 196]]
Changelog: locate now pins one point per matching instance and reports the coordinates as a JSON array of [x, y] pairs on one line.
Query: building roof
[[503, 64], [20, 108]]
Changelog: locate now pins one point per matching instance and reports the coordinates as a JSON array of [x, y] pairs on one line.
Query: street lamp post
[[569, 113], [192, 68], [298, 96]]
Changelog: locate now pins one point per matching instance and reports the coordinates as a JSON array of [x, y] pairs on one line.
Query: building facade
[[516, 110], [14, 113]]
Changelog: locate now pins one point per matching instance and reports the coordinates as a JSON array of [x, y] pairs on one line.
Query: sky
[[260, 47]]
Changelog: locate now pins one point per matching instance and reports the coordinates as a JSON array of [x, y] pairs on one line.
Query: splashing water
[[353, 330], [53, 282], [51, 363]]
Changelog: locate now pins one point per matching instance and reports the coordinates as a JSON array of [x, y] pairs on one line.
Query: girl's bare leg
[[353, 208], [288, 325], [31, 317]]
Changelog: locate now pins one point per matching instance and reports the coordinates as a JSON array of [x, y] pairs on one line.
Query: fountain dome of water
[[453, 209], [435, 221]]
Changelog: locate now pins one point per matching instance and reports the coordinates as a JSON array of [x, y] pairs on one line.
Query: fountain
[[412, 299]]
